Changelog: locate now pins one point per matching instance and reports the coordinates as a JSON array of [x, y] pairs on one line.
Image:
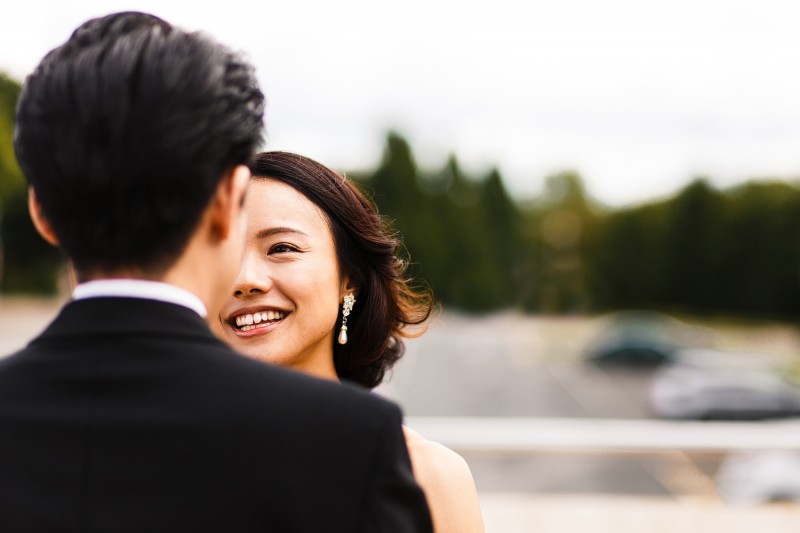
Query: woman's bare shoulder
[[447, 481], [434, 458]]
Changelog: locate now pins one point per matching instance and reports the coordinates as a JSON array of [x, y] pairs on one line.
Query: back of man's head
[[124, 133]]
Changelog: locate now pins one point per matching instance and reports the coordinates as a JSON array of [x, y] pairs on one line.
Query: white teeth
[[248, 322]]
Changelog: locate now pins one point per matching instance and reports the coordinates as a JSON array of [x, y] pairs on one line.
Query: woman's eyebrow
[[268, 232]]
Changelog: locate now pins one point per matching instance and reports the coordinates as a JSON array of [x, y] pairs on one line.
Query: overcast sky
[[638, 96]]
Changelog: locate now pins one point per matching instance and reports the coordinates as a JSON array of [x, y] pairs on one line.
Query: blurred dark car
[[637, 339], [712, 384]]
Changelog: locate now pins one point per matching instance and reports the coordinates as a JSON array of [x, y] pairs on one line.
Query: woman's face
[[284, 304]]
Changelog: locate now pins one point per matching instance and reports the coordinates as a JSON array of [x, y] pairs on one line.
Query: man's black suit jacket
[[128, 415]]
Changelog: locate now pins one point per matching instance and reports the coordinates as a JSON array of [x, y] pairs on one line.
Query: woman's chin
[[262, 347]]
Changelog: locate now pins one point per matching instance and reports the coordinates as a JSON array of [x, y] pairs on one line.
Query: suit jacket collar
[[140, 288], [115, 316]]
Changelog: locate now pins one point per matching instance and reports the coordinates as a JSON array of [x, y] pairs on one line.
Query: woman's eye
[[282, 248]]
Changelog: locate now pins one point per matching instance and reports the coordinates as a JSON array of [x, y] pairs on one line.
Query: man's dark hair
[[125, 131]]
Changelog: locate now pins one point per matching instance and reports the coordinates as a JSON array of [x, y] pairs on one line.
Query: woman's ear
[[39, 221], [347, 287]]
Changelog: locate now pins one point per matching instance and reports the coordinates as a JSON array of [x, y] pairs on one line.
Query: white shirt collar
[[139, 288]]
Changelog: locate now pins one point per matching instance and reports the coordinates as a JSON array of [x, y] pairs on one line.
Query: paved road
[[507, 365], [511, 367]]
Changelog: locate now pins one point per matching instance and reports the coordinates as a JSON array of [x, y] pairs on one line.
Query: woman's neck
[[319, 365]]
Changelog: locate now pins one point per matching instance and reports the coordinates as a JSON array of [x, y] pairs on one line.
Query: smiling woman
[[289, 276], [320, 260]]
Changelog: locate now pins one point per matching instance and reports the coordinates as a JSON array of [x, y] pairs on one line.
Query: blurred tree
[[504, 225], [474, 278], [27, 263], [760, 251], [394, 187], [12, 183], [692, 245], [558, 224], [394, 182], [462, 234], [703, 251], [627, 257]]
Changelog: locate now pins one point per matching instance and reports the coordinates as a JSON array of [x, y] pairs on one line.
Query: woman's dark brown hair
[[367, 250]]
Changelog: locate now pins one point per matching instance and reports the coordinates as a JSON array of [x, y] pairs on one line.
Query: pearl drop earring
[[347, 306]]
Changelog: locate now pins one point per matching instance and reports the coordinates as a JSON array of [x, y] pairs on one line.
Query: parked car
[[713, 384], [638, 338], [757, 477]]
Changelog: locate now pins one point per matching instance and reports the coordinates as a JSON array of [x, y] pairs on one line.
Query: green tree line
[[704, 250], [734, 251]]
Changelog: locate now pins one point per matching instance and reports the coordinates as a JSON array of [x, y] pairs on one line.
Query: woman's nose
[[253, 279]]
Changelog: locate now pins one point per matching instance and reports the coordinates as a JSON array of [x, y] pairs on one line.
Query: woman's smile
[[248, 322]]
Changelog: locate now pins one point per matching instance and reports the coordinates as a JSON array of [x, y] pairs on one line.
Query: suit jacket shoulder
[[127, 413]]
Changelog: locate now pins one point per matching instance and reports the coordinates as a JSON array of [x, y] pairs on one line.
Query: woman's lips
[[256, 323]]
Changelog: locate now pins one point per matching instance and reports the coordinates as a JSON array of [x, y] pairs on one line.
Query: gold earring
[[347, 306]]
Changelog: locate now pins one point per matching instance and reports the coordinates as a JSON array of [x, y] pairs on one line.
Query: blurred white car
[[710, 384], [757, 477]]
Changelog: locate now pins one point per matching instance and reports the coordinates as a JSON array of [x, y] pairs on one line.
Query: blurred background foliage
[[733, 252], [27, 264], [703, 251]]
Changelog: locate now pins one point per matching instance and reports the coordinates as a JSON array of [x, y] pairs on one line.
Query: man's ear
[[39, 221], [228, 201]]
